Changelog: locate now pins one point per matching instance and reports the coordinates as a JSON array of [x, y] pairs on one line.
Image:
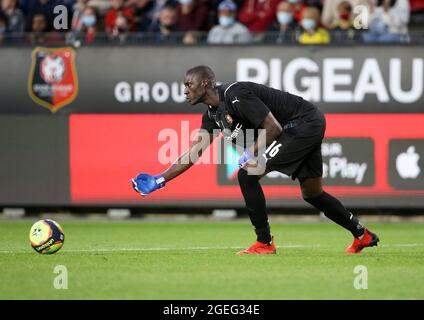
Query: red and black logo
[[53, 81]]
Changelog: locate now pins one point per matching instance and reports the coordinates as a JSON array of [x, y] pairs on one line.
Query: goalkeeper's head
[[198, 82]]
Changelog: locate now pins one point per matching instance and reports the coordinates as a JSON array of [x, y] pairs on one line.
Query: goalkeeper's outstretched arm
[[145, 183], [200, 143]]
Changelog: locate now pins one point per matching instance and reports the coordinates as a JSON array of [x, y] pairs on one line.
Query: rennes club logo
[[53, 81]]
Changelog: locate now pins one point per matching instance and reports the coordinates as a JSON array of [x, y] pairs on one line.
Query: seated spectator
[[330, 10], [228, 30], [157, 7], [389, 22], [143, 10], [297, 7], [192, 15], [312, 32], [90, 24], [285, 28], [257, 15], [213, 10], [78, 11], [32, 7], [166, 30], [119, 19], [87, 30], [40, 31], [15, 16], [39, 26], [342, 29]]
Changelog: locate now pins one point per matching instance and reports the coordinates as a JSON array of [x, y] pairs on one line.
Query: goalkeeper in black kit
[[287, 136]]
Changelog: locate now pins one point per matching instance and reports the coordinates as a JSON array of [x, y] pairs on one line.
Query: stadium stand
[[138, 21]]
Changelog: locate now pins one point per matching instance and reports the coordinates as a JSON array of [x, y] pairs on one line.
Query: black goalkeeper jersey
[[243, 106]]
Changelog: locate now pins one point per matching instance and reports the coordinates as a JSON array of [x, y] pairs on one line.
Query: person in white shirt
[[229, 30], [388, 21], [330, 12]]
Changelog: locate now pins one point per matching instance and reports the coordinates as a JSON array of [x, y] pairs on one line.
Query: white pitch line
[[199, 248], [405, 245], [160, 249]]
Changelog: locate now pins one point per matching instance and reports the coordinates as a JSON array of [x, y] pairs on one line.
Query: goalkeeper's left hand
[[145, 183], [244, 159]]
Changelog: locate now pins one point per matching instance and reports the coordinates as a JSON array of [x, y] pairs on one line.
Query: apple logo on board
[[407, 164]]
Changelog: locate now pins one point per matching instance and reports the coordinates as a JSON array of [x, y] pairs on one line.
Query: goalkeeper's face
[[194, 89]]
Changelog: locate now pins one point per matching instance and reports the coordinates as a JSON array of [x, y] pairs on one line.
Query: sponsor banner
[[346, 162], [106, 151], [362, 79], [406, 164]]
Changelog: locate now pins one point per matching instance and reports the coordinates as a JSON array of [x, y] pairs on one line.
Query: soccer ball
[[46, 236]]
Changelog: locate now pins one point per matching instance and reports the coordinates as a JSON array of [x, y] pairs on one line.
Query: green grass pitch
[[196, 260]]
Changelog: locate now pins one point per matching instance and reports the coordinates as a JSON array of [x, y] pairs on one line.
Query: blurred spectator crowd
[[207, 21]]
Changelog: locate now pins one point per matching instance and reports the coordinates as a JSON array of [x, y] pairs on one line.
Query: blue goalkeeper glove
[[245, 157], [145, 183]]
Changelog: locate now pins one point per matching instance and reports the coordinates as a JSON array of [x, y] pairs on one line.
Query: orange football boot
[[260, 248], [368, 240]]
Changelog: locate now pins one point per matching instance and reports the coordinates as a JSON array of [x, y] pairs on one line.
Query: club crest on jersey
[[229, 119], [52, 81]]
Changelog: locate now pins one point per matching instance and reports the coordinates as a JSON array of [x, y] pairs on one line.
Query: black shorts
[[299, 148]]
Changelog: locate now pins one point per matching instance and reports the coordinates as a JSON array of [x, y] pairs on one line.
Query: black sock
[[255, 203], [264, 234], [334, 210]]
